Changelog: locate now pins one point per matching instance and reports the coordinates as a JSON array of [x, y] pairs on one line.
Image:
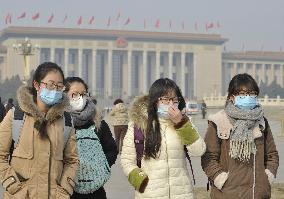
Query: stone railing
[[219, 101]]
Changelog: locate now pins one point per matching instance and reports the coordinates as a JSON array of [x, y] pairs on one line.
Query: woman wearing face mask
[[42, 163], [241, 159], [162, 172], [96, 146]]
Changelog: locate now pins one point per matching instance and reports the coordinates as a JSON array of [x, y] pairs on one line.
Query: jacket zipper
[[164, 133], [48, 182]]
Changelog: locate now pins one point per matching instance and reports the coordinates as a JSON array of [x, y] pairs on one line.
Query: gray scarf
[[241, 138], [81, 118]]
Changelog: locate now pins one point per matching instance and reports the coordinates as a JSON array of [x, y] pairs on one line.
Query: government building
[[118, 63]]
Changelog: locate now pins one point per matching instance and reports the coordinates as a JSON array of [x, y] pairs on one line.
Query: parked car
[[192, 108]]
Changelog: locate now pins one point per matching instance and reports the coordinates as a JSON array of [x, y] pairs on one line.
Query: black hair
[[117, 101], [70, 80], [41, 71], [39, 74], [242, 81], [10, 100], [158, 89]]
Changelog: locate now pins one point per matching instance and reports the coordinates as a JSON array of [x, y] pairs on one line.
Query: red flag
[[92, 19], [157, 24], [79, 22], [108, 22], [65, 18], [196, 26], [118, 16], [8, 19], [209, 25], [145, 24], [127, 21], [36, 16], [50, 18], [23, 15]]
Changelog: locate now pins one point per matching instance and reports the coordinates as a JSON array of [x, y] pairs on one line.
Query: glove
[[138, 179], [187, 133]]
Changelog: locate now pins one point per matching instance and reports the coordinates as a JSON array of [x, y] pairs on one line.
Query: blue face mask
[[246, 102], [163, 110], [50, 97]]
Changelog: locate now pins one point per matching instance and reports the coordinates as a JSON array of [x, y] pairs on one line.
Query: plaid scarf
[[243, 121]]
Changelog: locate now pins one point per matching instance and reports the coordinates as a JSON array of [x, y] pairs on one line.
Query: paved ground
[[119, 188]]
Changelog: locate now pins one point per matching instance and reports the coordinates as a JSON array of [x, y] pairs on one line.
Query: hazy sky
[[254, 24]]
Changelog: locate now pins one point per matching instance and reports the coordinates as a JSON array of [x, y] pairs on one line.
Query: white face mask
[[78, 104]]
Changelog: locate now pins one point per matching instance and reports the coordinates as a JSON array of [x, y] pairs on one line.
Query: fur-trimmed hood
[[138, 112], [27, 104]]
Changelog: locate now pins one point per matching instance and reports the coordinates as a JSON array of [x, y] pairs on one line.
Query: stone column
[[144, 72], [80, 64], [52, 54], [182, 71], [108, 75], [66, 61], [129, 73], [158, 65], [170, 69], [94, 71]]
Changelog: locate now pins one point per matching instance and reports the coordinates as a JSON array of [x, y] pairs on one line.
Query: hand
[[174, 114]]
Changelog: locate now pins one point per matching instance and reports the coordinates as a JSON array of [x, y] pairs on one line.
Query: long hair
[[153, 138]]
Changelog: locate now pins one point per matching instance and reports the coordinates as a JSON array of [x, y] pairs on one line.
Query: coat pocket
[[21, 193]]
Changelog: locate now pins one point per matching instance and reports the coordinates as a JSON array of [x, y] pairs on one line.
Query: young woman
[[241, 159], [96, 146], [162, 172], [119, 118], [43, 164]]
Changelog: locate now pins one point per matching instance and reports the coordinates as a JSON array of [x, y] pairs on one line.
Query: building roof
[[75, 33], [254, 56]]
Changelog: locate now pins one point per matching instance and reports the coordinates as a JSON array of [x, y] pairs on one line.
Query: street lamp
[[26, 48]]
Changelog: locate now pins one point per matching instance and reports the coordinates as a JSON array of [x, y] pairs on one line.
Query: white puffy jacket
[[168, 174]]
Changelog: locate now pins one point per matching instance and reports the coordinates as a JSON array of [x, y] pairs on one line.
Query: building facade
[[264, 67], [3, 62], [123, 64]]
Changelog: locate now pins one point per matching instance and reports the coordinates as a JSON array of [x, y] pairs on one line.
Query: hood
[[138, 112], [27, 104], [121, 108]]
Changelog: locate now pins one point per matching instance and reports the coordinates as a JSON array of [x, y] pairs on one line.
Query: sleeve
[[210, 159], [108, 144], [136, 177], [128, 153], [190, 137], [71, 164], [271, 156], [8, 176]]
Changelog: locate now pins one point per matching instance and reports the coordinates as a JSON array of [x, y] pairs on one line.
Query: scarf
[[81, 118], [242, 140]]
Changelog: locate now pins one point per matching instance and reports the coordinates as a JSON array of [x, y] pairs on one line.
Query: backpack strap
[[68, 125], [190, 164], [139, 144], [17, 124]]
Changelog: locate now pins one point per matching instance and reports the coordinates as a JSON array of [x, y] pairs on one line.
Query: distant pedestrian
[[203, 109], [119, 118], [2, 111], [241, 159], [9, 105]]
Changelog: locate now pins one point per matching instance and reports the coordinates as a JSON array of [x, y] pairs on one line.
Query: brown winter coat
[[40, 168], [239, 184]]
